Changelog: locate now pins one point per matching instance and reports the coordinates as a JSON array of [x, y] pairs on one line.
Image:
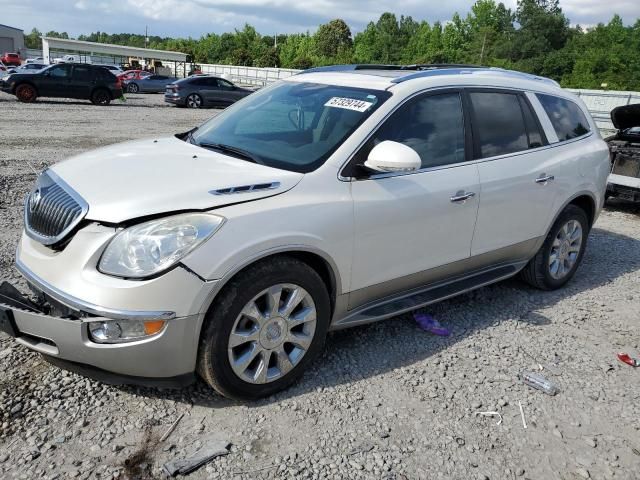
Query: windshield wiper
[[238, 152]]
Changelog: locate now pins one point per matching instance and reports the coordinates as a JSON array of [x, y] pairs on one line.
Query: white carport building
[[108, 53]]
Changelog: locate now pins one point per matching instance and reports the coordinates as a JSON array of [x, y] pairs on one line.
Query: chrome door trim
[[82, 306], [452, 165], [544, 179], [461, 196]]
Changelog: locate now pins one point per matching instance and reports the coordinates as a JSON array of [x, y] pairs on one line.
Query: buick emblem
[[34, 200]]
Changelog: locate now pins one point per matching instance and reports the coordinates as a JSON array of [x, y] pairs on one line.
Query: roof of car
[[388, 76]]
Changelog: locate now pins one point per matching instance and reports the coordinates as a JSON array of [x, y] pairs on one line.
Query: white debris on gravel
[[383, 401]]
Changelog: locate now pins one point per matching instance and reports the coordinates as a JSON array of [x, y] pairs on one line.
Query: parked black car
[[204, 91], [68, 80]]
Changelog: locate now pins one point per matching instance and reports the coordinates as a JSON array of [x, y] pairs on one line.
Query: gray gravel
[[384, 401]]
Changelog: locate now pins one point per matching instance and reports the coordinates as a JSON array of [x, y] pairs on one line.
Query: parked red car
[[133, 75], [11, 59]]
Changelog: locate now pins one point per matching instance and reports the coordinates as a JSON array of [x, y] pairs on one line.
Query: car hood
[[626, 116], [146, 177]]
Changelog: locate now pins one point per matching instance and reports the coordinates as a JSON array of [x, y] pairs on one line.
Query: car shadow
[[367, 351], [129, 102], [617, 204]]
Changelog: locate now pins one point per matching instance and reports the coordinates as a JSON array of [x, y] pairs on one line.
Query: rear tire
[[101, 97], [133, 88], [194, 101], [282, 340], [561, 253], [26, 93]]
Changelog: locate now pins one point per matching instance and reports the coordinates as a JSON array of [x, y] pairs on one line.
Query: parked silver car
[[149, 84], [334, 198]]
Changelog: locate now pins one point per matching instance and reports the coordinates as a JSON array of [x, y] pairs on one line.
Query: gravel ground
[[384, 401]]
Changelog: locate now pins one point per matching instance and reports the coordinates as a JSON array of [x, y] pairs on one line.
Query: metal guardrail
[[248, 75], [601, 102]]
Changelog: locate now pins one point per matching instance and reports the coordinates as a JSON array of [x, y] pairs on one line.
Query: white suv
[[337, 197]]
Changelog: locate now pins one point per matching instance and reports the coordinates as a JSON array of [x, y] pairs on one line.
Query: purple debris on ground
[[430, 324]]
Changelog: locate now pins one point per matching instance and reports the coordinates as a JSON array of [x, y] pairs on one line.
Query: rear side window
[[432, 125], [82, 74], [567, 118], [499, 123]]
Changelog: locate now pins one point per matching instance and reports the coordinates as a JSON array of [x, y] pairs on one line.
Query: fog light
[[120, 331]]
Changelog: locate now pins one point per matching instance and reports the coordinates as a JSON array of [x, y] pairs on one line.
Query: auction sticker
[[348, 103]]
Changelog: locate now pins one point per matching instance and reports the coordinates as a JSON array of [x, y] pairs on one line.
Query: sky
[[183, 18]]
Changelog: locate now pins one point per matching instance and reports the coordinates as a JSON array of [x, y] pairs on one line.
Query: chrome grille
[[52, 209]]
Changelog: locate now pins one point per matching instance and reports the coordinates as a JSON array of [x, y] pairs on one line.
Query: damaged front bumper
[[57, 322], [161, 359]]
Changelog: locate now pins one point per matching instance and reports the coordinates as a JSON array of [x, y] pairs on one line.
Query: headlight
[[152, 247]]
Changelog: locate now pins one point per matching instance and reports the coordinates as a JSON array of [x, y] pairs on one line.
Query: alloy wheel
[[194, 101], [565, 249], [272, 333], [26, 93]]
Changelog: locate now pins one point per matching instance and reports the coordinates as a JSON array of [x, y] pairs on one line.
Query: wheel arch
[[101, 87], [587, 203], [316, 259], [585, 200], [25, 82]]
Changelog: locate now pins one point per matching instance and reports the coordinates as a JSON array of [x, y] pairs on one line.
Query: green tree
[[32, 40], [332, 38]]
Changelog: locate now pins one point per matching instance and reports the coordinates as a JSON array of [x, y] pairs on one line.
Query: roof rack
[[369, 66], [470, 71], [430, 69]]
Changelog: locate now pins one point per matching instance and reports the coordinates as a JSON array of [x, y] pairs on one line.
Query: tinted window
[[567, 118], [224, 85], [60, 71], [498, 123], [82, 74], [432, 125]]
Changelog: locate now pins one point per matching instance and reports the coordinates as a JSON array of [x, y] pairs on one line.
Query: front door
[[55, 82], [517, 172], [406, 225], [228, 92]]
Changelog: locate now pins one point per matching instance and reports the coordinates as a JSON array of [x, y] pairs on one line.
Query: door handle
[[461, 196], [544, 178]]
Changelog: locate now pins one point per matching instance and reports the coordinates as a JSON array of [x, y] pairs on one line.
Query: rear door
[[55, 81], [516, 170], [82, 80]]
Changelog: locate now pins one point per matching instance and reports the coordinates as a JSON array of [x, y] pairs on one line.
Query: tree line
[[537, 38]]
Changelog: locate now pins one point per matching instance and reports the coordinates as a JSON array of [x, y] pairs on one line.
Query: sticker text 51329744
[[348, 103]]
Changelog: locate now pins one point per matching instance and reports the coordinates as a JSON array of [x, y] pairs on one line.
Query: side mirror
[[390, 156]]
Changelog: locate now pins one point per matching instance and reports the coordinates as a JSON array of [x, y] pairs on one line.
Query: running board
[[405, 302]]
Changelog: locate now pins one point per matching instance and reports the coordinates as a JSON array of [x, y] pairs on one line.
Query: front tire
[[133, 88], [265, 328], [561, 253], [26, 93]]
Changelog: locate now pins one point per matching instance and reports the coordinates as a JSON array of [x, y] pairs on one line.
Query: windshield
[[290, 125]]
